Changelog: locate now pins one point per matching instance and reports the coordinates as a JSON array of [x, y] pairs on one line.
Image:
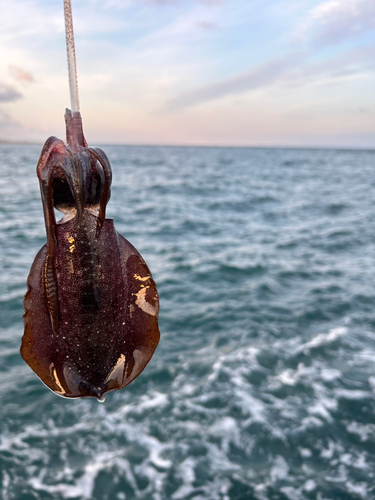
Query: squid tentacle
[[45, 170], [76, 168], [104, 162]]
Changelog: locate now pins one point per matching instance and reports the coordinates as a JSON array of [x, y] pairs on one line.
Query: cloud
[[350, 64], [206, 25], [20, 75], [8, 93], [296, 69], [336, 20], [263, 75]]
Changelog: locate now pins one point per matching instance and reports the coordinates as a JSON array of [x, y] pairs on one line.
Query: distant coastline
[[222, 146], [19, 143]]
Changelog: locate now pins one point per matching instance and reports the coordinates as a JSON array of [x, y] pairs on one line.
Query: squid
[[91, 306]]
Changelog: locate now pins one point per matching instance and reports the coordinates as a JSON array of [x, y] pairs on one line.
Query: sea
[[263, 384]]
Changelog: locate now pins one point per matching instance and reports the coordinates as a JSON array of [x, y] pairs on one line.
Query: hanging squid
[[91, 308]]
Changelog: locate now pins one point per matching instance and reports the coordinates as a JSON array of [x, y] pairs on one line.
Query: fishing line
[[71, 52]]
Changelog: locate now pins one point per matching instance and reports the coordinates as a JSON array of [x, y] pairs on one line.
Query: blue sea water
[[263, 385]]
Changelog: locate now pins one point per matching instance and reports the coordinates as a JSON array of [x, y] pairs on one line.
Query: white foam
[[305, 452], [156, 399], [350, 460], [292, 377], [66, 490], [358, 489], [187, 390], [219, 462], [244, 359], [150, 401], [328, 452], [310, 422], [251, 405], [280, 469], [320, 410], [362, 430], [323, 404], [214, 490], [330, 374], [227, 429], [187, 474], [360, 462], [288, 377], [216, 368], [322, 339], [84, 486], [310, 485], [5, 485], [291, 493], [307, 374], [260, 491], [351, 394], [341, 475]]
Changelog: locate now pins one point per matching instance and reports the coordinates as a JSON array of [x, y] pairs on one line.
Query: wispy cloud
[[350, 64], [264, 75], [334, 21], [293, 70], [329, 22], [8, 93]]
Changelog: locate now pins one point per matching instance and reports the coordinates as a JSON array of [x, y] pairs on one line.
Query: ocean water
[[263, 384]]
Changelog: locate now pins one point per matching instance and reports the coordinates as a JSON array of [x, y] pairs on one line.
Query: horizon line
[[223, 146]]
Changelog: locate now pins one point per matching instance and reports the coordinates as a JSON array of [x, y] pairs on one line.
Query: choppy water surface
[[263, 385]]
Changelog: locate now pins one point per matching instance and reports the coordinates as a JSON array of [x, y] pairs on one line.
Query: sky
[[193, 72]]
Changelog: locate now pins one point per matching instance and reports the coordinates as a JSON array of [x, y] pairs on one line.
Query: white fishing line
[[71, 53]]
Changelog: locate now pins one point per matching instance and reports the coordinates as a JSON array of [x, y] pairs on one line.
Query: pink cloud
[[20, 75]]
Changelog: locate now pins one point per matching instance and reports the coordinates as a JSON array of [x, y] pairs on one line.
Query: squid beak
[[77, 171]]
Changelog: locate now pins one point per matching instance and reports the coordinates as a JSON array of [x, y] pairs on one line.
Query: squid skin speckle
[[91, 324]]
